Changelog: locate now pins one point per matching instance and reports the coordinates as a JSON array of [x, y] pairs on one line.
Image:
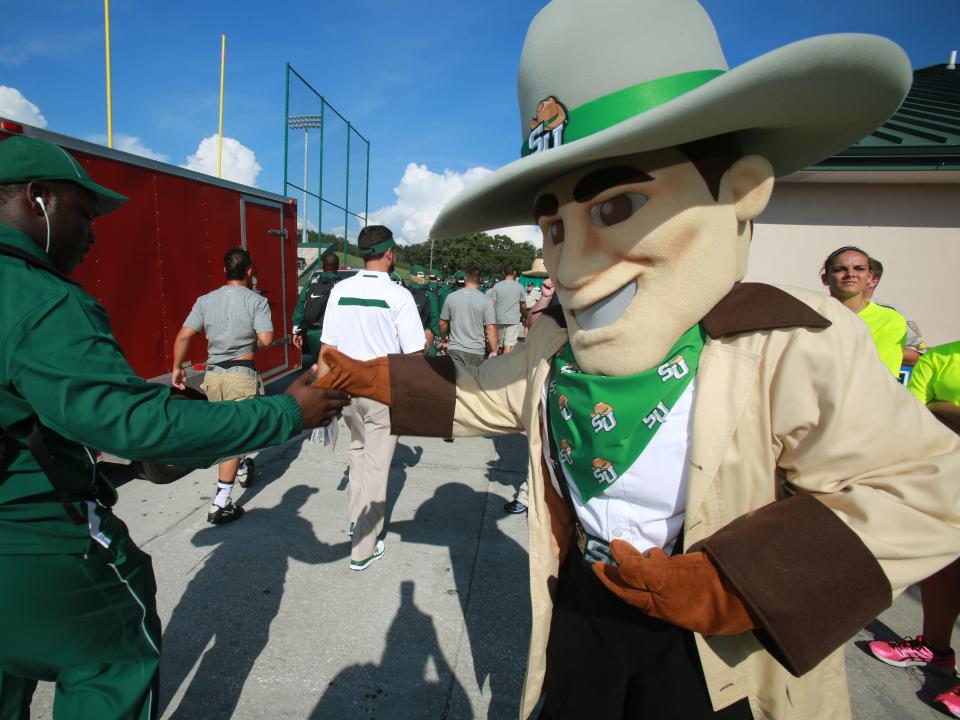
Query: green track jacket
[[59, 362]]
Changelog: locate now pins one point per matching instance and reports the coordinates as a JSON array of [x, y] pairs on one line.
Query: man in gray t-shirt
[[236, 321], [509, 299], [468, 320]]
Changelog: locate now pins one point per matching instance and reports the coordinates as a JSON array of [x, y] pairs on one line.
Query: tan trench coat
[[795, 409]]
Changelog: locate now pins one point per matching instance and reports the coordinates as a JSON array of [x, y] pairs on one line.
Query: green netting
[[326, 167]]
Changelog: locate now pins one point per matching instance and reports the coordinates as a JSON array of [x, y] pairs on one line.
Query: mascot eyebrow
[[589, 186], [594, 183]]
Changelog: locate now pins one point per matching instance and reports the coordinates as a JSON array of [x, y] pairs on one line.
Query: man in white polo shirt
[[369, 316]]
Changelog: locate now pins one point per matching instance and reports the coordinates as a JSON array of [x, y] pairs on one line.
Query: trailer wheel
[[162, 473]]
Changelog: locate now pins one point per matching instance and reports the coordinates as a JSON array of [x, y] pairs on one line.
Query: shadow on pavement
[[509, 468], [232, 600], [492, 586], [271, 464], [413, 679]]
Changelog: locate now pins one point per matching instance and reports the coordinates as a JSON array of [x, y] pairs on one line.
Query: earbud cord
[[43, 208]]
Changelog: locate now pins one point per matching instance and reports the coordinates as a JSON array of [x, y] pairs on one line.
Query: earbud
[[40, 201]]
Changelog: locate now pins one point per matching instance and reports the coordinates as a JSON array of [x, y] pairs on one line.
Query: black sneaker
[[245, 472], [515, 507], [220, 515]]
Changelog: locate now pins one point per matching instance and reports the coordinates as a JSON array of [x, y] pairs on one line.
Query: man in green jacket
[[77, 606]]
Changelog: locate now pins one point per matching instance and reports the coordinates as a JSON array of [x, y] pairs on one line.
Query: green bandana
[[601, 424]]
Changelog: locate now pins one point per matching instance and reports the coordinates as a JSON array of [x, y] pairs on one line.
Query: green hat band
[[380, 247], [606, 111]]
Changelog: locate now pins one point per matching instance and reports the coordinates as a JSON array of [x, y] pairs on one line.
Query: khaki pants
[[371, 452], [508, 335], [237, 383]]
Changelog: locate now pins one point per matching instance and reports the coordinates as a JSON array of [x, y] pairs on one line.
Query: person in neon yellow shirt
[[935, 382], [846, 272]]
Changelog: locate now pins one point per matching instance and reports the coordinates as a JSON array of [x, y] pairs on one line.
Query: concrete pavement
[[263, 619]]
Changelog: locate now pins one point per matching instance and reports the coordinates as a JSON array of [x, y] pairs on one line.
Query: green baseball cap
[[416, 269], [459, 276], [24, 158]]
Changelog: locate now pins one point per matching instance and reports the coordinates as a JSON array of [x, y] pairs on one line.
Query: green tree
[[489, 253]]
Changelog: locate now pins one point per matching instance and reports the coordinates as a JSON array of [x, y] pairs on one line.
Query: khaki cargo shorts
[[508, 335], [237, 383]]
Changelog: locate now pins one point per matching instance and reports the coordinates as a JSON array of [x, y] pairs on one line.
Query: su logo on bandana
[[565, 413], [566, 452], [657, 416], [675, 368], [546, 127], [602, 418], [603, 470]]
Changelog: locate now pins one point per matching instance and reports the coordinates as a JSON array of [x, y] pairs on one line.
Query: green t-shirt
[[60, 362], [889, 331], [936, 375]]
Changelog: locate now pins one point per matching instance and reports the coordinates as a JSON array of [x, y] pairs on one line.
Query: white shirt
[[645, 505], [369, 316]]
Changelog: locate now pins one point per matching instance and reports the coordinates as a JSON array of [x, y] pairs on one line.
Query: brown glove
[[362, 378], [685, 590]]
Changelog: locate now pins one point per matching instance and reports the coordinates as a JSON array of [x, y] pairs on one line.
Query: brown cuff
[[804, 575], [424, 394]]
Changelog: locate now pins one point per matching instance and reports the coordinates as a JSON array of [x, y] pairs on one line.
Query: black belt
[[592, 548], [227, 364]]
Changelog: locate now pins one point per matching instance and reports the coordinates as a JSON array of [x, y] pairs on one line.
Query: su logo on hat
[[546, 127]]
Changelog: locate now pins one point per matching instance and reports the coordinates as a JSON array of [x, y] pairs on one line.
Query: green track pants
[[86, 622]]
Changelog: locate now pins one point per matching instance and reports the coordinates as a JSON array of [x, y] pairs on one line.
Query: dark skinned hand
[[317, 405]]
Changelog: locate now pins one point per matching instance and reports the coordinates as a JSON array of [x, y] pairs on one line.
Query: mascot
[[718, 497]]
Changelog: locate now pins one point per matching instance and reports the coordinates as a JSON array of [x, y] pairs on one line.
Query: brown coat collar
[[748, 307]]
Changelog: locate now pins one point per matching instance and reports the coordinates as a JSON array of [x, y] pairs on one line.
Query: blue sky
[[430, 83]]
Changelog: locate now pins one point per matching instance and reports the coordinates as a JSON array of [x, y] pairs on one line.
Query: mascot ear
[[750, 180]]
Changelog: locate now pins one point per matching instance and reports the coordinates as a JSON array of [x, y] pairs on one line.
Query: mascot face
[[640, 250]]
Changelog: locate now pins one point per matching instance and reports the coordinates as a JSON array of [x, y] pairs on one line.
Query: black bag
[[423, 304], [316, 302]]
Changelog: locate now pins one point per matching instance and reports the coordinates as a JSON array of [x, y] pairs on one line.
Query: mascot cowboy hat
[[615, 77]]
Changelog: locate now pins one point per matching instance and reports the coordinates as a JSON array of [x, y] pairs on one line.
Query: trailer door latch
[[281, 233]]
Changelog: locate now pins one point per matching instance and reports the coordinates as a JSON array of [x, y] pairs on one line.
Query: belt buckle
[[592, 549]]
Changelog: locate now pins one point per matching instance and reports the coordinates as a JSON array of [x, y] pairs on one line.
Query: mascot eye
[[556, 232], [616, 209]]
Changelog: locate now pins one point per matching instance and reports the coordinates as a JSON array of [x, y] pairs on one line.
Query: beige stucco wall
[[913, 229]]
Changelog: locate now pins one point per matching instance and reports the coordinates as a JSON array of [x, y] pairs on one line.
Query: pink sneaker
[[913, 652], [950, 700]]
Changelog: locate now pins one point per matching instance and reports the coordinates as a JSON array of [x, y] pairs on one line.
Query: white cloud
[[421, 195], [14, 106], [239, 162], [130, 144]]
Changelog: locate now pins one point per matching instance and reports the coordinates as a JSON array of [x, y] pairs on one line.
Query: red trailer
[[162, 249]]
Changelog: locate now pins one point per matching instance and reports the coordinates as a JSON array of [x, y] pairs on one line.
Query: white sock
[[223, 493]]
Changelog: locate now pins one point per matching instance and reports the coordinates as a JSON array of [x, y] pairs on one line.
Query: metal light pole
[[306, 122]]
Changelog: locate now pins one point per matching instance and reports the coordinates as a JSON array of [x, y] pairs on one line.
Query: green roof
[[924, 134]]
